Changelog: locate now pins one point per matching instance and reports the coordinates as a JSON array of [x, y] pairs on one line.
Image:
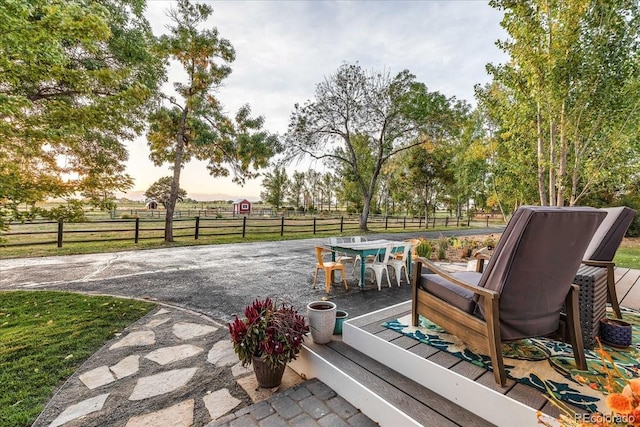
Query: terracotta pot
[[267, 376], [322, 320]]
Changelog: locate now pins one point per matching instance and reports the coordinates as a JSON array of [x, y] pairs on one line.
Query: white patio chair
[[359, 239], [378, 266], [399, 263]]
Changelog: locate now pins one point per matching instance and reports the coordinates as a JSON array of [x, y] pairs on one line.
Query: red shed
[[241, 206]]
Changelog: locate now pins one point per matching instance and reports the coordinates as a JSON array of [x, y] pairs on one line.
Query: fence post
[[404, 223], [59, 233], [468, 221], [282, 225], [314, 225], [487, 221], [457, 221], [197, 234], [341, 223], [434, 221], [386, 222], [136, 234], [446, 221], [244, 226], [419, 222]]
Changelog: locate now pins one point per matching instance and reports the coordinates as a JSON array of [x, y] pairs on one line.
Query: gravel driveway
[[216, 280]]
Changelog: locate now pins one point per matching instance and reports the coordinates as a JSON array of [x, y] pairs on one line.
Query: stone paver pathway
[[160, 357], [166, 370]]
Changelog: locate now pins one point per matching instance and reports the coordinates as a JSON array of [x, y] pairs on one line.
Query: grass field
[[44, 337]]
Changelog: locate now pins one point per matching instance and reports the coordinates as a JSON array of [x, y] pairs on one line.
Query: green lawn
[[45, 336], [628, 256]]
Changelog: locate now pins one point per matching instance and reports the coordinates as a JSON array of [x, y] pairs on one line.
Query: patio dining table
[[364, 249]]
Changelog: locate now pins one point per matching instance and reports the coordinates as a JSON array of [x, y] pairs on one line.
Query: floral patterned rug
[[542, 363]]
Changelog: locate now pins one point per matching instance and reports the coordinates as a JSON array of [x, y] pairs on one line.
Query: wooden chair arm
[[481, 257], [487, 293], [594, 263]]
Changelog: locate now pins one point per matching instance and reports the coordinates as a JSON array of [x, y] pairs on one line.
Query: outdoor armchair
[[523, 289], [601, 250], [605, 243]]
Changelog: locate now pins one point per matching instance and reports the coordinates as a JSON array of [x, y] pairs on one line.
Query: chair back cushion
[[607, 238], [534, 264]]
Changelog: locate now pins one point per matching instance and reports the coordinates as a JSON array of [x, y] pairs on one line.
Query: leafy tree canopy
[[74, 80], [194, 125], [360, 119], [160, 191]]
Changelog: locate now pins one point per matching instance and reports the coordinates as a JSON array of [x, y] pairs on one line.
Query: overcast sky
[[284, 48]]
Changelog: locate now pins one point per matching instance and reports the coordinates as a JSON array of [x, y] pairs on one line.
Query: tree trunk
[[562, 170], [175, 184], [552, 163], [542, 189], [364, 217]]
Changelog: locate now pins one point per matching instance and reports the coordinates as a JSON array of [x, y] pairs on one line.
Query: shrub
[[423, 248], [443, 245]]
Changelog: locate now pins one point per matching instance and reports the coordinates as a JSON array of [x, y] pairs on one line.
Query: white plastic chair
[[399, 263], [379, 266]]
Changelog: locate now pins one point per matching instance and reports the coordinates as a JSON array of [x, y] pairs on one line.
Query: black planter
[[616, 333], [267, 376]]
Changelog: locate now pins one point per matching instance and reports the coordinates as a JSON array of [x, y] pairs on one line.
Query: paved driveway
[[217, 280]]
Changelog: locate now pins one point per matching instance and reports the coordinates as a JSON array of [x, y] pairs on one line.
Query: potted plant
[[268, 338]]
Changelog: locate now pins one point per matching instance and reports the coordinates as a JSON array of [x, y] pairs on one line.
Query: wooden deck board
[[448, 412], [433, 407], [379, 381], [522, 393], [628, 289]]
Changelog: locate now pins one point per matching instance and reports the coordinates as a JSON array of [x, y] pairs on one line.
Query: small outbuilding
[[241, 207]]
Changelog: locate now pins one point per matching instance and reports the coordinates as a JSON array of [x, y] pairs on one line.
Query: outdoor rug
[[539, 361]]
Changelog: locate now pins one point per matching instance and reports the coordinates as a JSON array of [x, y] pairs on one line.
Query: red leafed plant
[[274, 334]]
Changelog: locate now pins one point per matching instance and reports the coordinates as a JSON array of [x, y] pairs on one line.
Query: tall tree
[[275, 185], [571, 91], [388, 114], [160, 191], [311, 188], [193, 125], [327, 191], [296, 188], [76, 80]]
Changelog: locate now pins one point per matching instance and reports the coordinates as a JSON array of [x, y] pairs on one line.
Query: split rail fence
[[137, 229]]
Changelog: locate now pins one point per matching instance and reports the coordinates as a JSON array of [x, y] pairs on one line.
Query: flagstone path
[[178, 368]]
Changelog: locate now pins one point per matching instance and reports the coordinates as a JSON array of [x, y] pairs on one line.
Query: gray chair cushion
[[450, 292], [534, 264], [607, 238]]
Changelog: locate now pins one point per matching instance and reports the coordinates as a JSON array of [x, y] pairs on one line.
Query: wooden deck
[[397, 381]]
